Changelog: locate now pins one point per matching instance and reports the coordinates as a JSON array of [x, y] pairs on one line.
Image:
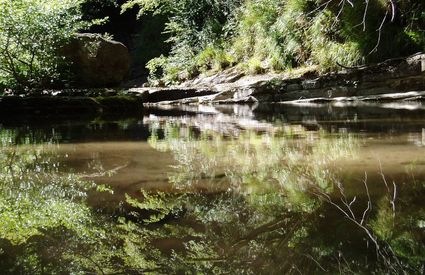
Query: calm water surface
[[267, 189]]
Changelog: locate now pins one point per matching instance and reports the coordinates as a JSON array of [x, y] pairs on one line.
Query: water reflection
[[281, 179], [243, 196]]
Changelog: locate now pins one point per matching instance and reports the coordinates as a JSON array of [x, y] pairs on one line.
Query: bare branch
[[393, 10], [365, 14], [316, 262], [344, 200], [353, 201], [321, 7], [328, 199], [342, 4], [369, 202], [394, 197], [379, 33]]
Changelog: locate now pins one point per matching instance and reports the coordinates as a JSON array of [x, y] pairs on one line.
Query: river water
[[263, 189]]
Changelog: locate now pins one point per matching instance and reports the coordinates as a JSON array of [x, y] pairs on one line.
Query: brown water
[[226, 189]]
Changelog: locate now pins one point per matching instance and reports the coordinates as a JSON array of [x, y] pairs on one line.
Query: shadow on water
[[216, 189]]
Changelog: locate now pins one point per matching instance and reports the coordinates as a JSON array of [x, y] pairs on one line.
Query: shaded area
[[143, 36], [68, 106]]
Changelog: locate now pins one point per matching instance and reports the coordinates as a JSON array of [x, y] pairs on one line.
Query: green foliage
[[213, 58], [261, 34], [193, 26], [326, 46], [418, 37], [159, 203], [31, 35], [156, 68], [399, 226], [145, 5], [35, 197], [265, 35]]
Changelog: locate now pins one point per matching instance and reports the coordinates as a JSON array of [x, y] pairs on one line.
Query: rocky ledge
[[395, 79]]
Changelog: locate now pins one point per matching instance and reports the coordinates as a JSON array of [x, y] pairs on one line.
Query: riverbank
[[392, 80]]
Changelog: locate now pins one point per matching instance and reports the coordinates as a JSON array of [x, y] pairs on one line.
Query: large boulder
[[96, 61]]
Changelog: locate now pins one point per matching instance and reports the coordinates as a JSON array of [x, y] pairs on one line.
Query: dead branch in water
[[386, 253]]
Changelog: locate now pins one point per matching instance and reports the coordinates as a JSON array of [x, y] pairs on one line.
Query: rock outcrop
[[96, 61], [396, 79]]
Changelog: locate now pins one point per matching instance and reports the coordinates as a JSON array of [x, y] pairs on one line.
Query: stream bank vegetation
[[255, 36], [33, 34], [274, 36]]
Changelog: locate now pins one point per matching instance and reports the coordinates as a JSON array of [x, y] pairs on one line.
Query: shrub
[[214, 58], [31, 34], [274, 35], [193, 26]]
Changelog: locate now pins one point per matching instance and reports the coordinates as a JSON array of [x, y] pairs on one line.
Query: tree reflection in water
[[255, 202]]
